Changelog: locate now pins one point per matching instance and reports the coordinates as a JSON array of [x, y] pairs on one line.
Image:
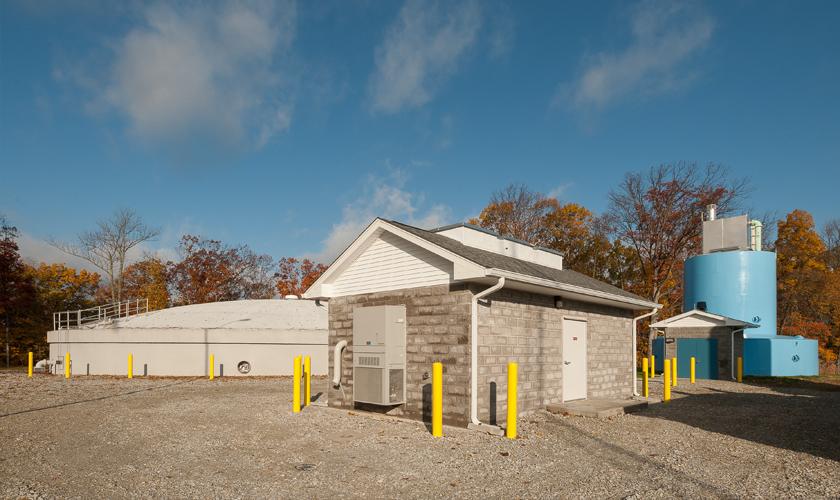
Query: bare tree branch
[[107, 247]]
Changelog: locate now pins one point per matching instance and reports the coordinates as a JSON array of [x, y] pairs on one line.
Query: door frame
[[585, 322]]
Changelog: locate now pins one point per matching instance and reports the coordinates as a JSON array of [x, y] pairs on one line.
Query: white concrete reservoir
[[246, 337]]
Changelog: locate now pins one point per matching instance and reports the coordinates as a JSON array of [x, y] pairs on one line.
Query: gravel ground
[[111, 437]]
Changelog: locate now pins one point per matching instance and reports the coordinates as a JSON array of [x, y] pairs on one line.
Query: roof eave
[[565, 287]]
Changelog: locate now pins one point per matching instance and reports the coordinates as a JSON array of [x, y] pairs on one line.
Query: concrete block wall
[[437, 329], [527, 328], [513, 326]]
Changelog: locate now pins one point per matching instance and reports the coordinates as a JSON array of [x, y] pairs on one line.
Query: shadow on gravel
[[799, 421], [101, 398], [630, 461], [783, 383]]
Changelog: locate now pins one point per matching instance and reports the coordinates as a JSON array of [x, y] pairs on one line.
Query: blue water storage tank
[[737, 284], [742, 285]]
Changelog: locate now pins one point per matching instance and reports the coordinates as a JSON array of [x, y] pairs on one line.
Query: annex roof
[[492, 260], [697, 318]]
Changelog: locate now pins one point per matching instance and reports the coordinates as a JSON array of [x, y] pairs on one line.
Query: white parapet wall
[[265, 334]]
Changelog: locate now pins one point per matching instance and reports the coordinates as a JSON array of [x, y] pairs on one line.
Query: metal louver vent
[[369, 360]]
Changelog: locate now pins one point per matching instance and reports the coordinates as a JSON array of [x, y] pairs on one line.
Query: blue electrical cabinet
[[658, 354], [704, 352]]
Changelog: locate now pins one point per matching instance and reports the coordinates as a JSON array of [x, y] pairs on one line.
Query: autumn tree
[[56, 287], [17, 295], [211, 271], [582, 237], [518, 212], [147, 279], [60, 287], [107, 247], [801, 271], [831, 238], [657, 213], [296, 276]]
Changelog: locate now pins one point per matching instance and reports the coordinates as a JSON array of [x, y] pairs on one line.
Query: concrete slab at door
[[574, 359]]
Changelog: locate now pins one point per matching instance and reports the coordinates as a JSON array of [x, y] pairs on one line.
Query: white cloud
[[421, 50], [558, 191], [34, 250], [664, 36], [204, 74], [385, 198]]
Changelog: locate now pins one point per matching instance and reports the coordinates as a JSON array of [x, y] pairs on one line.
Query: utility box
[[379, 355], [730, 233]]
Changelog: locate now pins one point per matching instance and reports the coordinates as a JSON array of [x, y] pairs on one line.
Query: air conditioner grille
[[369, 360], [395, 385], [367, 385]]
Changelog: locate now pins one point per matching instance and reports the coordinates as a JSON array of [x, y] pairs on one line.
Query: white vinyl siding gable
[[392, 263]]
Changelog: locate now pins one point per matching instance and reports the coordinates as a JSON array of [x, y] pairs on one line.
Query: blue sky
[[290, 126]]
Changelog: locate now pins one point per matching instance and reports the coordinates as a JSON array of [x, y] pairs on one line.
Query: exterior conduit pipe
[[474, 348], [732, 355], [337, 363], [635, 362]]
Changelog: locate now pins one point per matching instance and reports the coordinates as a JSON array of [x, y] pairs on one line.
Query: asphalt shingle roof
[[493, 260]]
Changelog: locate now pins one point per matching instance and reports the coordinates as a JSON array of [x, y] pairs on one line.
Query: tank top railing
[[82, 318]]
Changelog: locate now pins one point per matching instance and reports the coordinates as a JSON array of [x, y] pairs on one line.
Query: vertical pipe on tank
[[755, 235], [711, 211]]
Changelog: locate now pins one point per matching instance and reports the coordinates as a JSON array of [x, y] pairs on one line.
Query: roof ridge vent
[[484, 239]]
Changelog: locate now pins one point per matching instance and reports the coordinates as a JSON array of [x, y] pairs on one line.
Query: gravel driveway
[[109, 437]]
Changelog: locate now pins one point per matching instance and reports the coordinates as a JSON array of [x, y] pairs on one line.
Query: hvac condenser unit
[[379, 355]]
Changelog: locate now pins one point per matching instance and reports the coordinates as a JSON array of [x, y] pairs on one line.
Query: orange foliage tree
[[809, 282], [801, 271], [57, 288], [571, 229], [147, 279], [211, 271], [295, 276]]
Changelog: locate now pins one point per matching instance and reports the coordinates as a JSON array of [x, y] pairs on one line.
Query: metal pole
[[6, 322]]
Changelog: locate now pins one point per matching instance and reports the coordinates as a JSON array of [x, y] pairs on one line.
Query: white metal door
[[574, 359]]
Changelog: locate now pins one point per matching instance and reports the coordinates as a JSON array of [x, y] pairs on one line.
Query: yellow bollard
[[307, 364], [130, 365], [652, 366], [29, 370], [692, 369], [666, 382], [437, 399], [296, 387], [67, 365], [674, 370], [211, 368], [740, 369], [511, 401], [645, 377]]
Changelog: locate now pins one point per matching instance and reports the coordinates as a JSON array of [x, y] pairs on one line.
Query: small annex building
[[714, 341], [402, 298], [245, 337]]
